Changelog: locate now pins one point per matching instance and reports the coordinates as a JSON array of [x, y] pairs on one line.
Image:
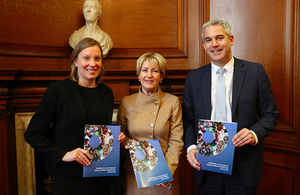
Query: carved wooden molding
[[4, 114], [34, 51]]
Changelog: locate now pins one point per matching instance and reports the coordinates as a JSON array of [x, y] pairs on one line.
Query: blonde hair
[[152, 58], [83, 44]]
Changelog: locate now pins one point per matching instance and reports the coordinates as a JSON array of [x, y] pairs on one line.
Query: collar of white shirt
[[228, 67]]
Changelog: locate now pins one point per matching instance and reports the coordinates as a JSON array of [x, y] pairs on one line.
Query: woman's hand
[[121, 137], [80, 155]]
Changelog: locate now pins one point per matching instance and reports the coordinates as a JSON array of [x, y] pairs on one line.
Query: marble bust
[[92, 11]]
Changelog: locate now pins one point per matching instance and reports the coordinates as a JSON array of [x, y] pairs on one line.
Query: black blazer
[[253, 107], [62, 108]]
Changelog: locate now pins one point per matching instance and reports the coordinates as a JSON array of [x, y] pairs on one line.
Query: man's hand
[[243, 137], [191, 157]]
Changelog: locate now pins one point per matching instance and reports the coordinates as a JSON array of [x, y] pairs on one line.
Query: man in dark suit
[[248, 100]]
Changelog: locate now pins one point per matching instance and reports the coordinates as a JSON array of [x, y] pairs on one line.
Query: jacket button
[[151, 125]]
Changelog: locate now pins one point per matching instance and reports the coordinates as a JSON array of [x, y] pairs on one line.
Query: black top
[[94, 105]]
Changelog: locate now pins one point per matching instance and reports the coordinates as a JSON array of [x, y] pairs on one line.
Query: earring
[[160, 81]]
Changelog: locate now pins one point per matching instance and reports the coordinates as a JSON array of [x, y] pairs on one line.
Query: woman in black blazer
[[57, 128]]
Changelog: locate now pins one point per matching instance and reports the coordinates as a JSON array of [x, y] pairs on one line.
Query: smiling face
[[150, 76], [88, 63], [90, 11], [217, 45]]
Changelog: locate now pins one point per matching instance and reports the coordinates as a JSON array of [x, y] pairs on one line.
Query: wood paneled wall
[[36, 33], [34, 51]]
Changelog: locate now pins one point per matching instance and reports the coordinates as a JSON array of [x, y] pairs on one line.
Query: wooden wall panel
[[42, 28], [8, 171], [39, 23], [136, 23], [29, 63], [281, 172], [280, 175]]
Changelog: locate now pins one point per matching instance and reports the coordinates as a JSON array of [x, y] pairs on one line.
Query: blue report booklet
[[103, 145], [215, 150], [149, 163]]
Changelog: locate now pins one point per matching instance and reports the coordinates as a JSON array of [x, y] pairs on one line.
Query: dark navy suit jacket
[[253, 107], [62, 107]]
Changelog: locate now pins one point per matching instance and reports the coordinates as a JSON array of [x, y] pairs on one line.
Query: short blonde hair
[[83, 44], [152, 58]]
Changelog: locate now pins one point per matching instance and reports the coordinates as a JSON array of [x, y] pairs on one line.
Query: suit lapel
[[206, 89], [238, 80], [77, 99]]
